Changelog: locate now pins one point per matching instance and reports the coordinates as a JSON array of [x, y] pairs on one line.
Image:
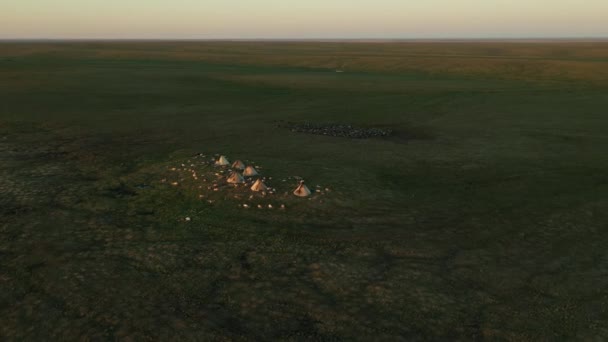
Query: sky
[[302, 19]]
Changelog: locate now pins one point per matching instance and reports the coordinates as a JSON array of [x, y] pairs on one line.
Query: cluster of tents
[[241, 171]]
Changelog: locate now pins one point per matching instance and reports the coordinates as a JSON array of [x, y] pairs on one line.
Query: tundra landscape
[[459, 190]]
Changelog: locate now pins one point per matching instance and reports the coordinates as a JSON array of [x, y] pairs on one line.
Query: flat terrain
[[484, 216]]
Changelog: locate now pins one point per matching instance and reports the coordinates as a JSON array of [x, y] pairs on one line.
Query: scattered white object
[[187, 219]]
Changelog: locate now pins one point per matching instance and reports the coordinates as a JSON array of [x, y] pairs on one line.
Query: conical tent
[[222, 161], [235, 178], [250, 171], [302, 190], [239, 165], [259, 186]]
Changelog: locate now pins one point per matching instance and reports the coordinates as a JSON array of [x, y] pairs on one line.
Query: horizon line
[[438, 39]]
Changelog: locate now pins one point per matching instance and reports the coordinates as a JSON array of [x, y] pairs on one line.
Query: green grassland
[[484, 218]]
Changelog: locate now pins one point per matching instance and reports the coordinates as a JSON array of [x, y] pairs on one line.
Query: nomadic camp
[[222, 161], [250, 171], [235, 178], [238, 165], [302, 190], [259, 186], [240, 173]]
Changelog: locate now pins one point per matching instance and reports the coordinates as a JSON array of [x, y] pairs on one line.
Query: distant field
[[483, 217]]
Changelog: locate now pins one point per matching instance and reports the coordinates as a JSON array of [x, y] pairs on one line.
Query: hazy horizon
[[310, 20], [328, 40]]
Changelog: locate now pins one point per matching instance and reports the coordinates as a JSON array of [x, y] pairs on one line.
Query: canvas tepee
[[235, 178], [302, 190], [259, 186], [222, 161], [238, 165], [250, 171]]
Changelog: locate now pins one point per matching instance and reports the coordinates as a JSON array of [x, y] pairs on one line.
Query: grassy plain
[[485, 217]]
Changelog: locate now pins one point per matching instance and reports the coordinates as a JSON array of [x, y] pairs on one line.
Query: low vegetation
[[489, 223]]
